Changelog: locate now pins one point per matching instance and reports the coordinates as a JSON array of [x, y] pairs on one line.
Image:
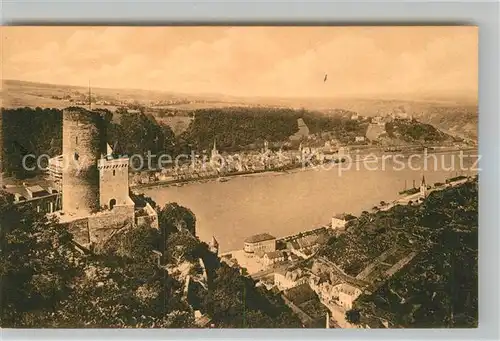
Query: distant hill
[[460, 121], [414, 131], [456, 116], [20, 94]]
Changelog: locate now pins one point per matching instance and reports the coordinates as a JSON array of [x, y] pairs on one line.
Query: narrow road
[[258, 275]]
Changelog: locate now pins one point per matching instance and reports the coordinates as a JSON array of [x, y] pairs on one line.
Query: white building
[[360, 139], [305, 246], [343, 151], [347, 295], [263, 242], [55, 169], [339, 221], [284, 280], [273, 257]]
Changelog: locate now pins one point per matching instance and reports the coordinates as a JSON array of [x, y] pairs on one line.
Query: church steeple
[[215, 152], [423, 187], [214, 245]]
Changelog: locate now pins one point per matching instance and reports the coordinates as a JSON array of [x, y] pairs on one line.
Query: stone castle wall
[[80, 231], [99, 227], [150, 219], [104, 224]]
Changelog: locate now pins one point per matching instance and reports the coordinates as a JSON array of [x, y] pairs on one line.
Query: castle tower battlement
[[113, 182], [84, 141]]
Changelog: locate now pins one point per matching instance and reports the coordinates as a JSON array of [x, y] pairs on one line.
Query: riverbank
[[200, 180], [368, 154], [256, 265]]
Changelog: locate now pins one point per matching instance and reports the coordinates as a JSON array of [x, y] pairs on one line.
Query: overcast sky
[[249, 61]]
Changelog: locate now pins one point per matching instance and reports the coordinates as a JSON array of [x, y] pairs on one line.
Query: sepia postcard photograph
[[239, 177]]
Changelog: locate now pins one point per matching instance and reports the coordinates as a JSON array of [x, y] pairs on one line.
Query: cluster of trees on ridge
[[29, 131], [411, 131], [39, 131]]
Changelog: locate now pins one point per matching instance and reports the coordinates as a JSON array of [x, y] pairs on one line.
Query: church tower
[[215, 152], [423, 187], [214, 246]]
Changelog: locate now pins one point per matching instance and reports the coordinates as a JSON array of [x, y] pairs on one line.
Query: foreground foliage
[[439, 287], [47, 282]]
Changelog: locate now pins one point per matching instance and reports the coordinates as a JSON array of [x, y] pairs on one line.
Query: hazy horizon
[[280, 62], [443, 97]]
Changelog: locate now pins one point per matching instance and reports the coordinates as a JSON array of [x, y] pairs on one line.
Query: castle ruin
[[95, 185]]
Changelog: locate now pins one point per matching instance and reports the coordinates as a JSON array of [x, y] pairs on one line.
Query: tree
[[37, 264], [182, 246], [108, 296], [141, 200], [46, 282], [349, 217], [30, 131], [105, 113], [132, 250], [353, 316], [173, 217], [234, 301], [439, 286]]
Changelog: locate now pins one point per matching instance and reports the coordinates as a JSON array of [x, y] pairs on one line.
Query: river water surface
[[286, 203]]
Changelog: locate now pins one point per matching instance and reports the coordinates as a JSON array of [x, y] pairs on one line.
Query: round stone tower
[[84, 141]]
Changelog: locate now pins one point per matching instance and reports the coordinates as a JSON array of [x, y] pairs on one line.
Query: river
[[286, 203]]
